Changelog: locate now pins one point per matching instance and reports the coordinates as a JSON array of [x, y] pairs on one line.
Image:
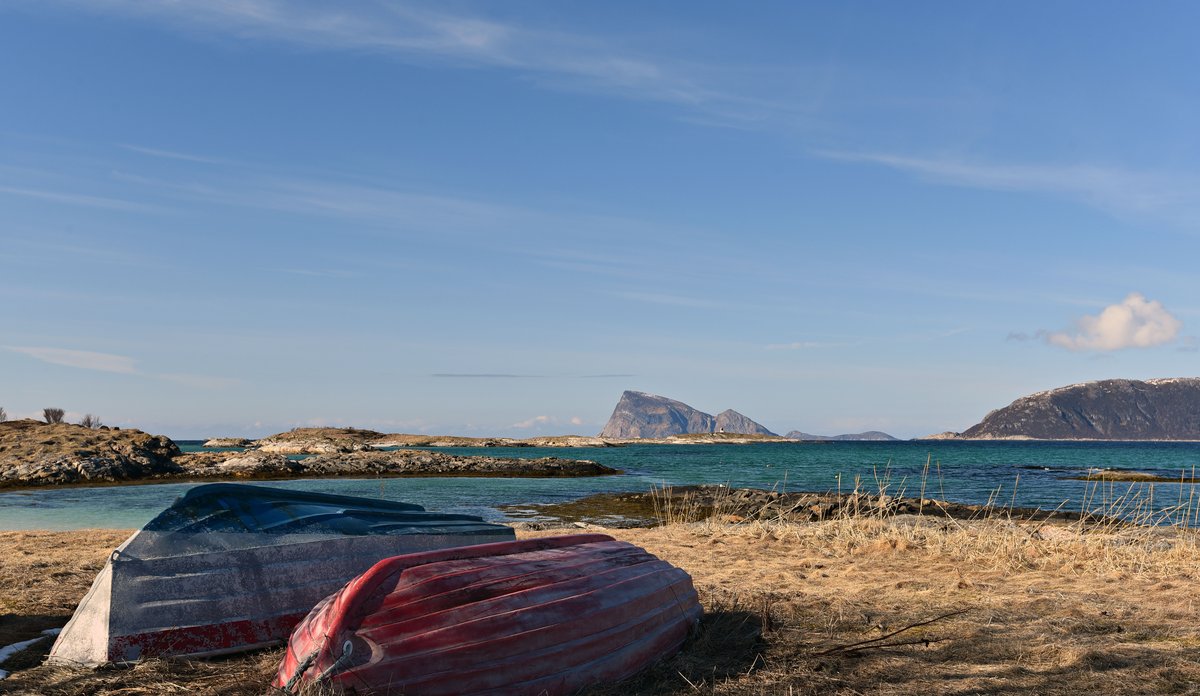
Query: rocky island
[[869, 436], [1110, 409], [33, 454], [639, 415]]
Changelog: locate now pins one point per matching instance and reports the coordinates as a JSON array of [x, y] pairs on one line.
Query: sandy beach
[[898, 605]]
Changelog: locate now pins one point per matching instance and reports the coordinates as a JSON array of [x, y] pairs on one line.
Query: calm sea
[[1031, 474]]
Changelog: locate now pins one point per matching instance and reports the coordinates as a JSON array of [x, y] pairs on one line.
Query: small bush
[[53, 415], [3, 415], [90, 421]]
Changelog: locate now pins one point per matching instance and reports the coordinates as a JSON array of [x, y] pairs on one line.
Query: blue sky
[[240, 216]]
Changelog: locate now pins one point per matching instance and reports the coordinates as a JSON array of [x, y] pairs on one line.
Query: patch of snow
[[10, 650]]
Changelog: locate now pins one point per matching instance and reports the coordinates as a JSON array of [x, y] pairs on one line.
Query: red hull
[[544, 616]]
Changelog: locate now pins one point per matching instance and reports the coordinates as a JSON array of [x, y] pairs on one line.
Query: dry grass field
[[856, 605]]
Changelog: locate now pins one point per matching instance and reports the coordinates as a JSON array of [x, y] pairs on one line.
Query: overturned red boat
[[542, 616]]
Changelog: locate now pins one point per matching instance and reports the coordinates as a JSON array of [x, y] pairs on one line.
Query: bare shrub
[[90, 421], [3, 415], [53, 415]]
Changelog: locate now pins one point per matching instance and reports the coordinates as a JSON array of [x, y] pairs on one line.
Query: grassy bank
[[864, 603]]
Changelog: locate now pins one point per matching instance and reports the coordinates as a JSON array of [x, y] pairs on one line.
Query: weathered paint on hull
[[544, 616], [211, 582]]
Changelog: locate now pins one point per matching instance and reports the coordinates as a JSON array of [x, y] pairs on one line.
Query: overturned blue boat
[[231, 567]]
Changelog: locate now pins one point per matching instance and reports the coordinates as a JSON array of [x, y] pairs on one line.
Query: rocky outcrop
[[683, 504], [1111, 409], [319, 441], [868, 436], [395, 463], [33, 453], [730, 421], [342, 440], [639, 415], [227, 442], [947, 435]]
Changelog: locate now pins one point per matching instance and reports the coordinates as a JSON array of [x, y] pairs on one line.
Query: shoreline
[[262, 466]]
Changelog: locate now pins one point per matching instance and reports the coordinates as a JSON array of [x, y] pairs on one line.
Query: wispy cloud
[[120, 364], [483, 375], [79, 199], [807, 345], [169, 154], [198, 381], [670, 300], [506, 375], [319, 273], [1113, 189], [414, 32], [915, 337], [1134, 322], [82, 359]]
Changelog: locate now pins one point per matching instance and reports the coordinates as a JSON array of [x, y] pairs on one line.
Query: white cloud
[[576, 420], [1133, 323], [536, 420], [83, 359]]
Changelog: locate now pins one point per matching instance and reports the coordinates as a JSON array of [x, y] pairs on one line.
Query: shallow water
[[970, 472]]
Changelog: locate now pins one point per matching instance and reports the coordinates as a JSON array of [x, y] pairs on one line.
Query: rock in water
[[642, 415], [730, 421], [870, 435], [1111, 409]]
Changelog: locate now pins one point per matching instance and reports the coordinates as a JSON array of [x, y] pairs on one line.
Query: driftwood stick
[[876, 642]]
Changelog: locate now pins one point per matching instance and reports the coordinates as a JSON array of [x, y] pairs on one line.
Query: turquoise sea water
[[970, 472]]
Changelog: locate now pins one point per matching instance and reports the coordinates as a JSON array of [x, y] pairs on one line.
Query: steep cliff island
[[639, 415], [1110, 409]]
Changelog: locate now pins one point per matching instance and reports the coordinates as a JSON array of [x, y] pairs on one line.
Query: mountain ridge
[[1110, 409]]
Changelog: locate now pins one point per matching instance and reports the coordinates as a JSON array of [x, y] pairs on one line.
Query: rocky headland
[[1111, 409], [34, 454]]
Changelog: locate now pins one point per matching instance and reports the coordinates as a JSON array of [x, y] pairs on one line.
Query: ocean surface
[[1027, 474]]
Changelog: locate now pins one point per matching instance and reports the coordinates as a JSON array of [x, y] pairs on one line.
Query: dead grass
[[1049, 608]]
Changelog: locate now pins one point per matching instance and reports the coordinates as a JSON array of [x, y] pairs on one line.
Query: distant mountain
[[730, 421], [1111, 409], [642, 415], [872, 435]]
